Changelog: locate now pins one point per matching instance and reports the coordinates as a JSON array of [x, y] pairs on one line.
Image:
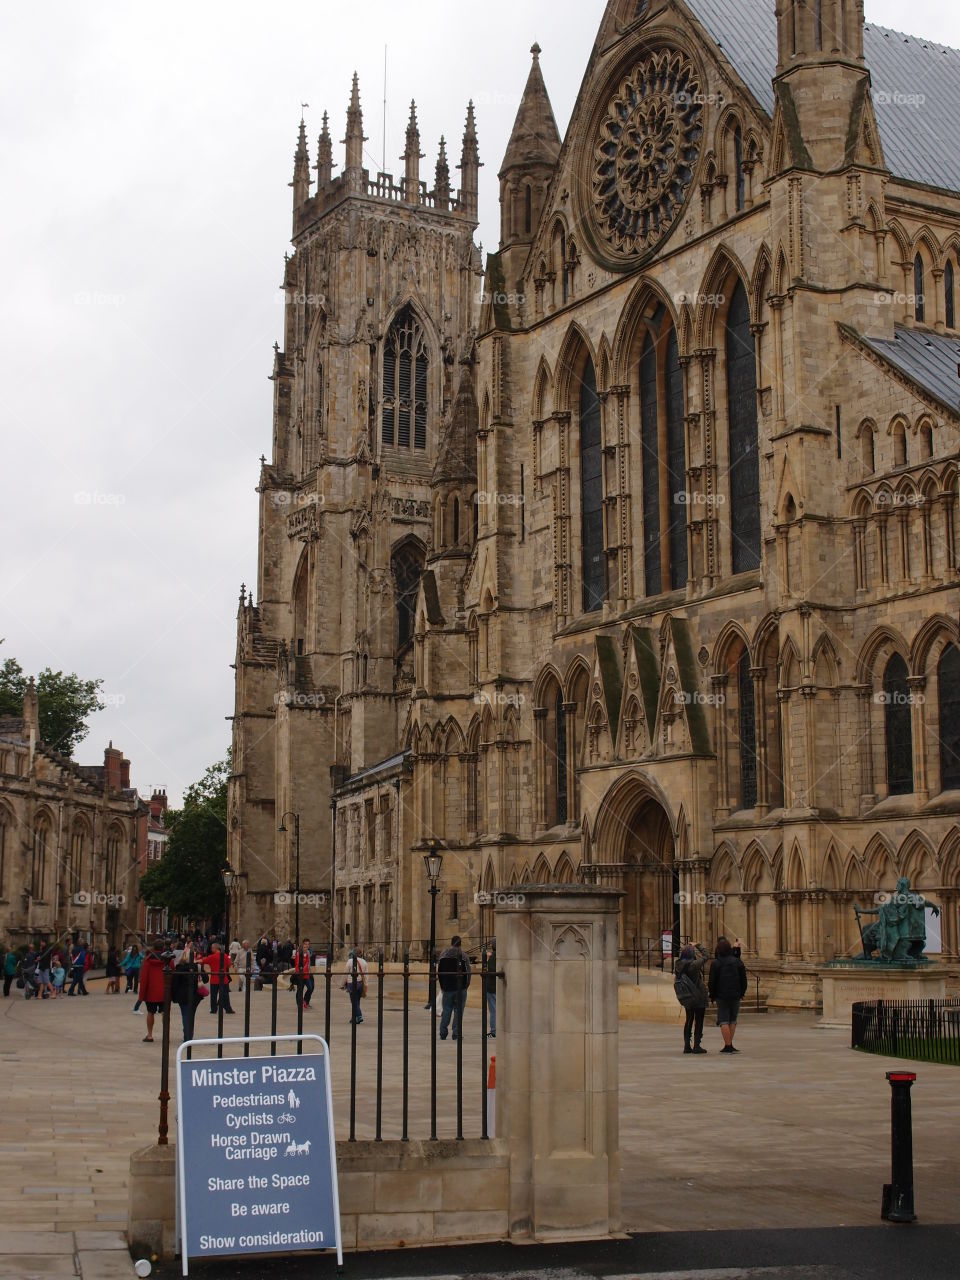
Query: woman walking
[[301, 969], [186, 988]]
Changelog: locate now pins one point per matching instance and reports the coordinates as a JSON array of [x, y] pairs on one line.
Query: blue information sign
[[256, 1155]]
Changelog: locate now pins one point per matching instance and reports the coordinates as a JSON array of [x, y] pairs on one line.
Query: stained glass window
[[899, 729], [744, 452], [591, 492]]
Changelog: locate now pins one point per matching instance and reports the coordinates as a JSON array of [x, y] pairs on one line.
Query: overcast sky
[[144, 158]]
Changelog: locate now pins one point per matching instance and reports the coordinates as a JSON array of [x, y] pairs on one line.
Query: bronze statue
[[900, 931]]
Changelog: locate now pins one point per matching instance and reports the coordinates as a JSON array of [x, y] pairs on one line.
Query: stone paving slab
[[792, 1131]]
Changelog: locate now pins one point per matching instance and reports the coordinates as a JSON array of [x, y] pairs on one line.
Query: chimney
[[125, 774], [112, 766], [158, 804]]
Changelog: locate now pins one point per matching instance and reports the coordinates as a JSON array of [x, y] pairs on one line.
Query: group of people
[[201, 966], [726, 985], [44, 970]]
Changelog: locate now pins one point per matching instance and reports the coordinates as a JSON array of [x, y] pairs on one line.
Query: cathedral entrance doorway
[[634, 850]]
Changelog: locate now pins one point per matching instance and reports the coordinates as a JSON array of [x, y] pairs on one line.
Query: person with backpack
[[728, 986], [355, 982], [453, 976], [692, 993]]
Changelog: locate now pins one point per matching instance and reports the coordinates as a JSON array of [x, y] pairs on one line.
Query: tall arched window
[[456, 521], [38, 864], [663, 487], [676, 463], [740, 184], [747, 733], [868, 451], [4, 822], [818, 24], [561, 758], [899, 445], [591, 492], [76, 857], [300, 610], [744, 462], [948, 686], [919, 302], [898, 727], [949, 295], [405, 383], [407, 566], [527, 209], [650, 466]]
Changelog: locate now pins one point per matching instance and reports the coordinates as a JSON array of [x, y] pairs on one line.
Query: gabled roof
[[535, 139], [916, 85], [457, 455], [930, 360]]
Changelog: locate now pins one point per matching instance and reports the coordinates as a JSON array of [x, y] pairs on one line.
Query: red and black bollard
[[897, 1203]]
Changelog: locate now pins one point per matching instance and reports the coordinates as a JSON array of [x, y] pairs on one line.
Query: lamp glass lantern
[[433, 861]]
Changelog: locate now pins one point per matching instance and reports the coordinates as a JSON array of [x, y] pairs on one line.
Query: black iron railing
[[923, 1030], [393, 996]]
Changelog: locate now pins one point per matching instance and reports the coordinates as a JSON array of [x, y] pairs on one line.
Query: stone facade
[[73, 841], [680, 542]]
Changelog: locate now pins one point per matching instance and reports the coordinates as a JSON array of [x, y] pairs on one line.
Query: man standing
[[78, 967], [453, 975], [728, 986], [490, 987]]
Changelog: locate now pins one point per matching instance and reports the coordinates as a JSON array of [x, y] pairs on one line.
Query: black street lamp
[[227, 874], [433, 861], [296, 899]]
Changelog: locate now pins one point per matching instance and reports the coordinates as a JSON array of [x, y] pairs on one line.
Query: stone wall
[[392, 1194]]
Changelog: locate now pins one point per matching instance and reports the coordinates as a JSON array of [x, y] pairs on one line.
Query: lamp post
[[433, 861], [296, 899], [227, 874]]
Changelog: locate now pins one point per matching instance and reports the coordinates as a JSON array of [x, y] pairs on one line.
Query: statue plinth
[[847, 981]]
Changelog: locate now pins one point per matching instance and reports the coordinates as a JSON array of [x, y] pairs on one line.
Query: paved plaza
[[792, 1132]]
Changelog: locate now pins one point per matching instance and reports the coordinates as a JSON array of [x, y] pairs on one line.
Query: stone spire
[[441, 183], [324, 155], [469, 166], [412, 157], [529, 161], [354, 140], [301, 169], [535, 139]]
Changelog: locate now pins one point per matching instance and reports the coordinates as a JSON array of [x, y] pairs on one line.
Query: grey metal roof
[[930, 359], [916, 85]]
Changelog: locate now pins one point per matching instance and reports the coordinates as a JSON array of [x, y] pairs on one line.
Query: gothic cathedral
[[628, 555]]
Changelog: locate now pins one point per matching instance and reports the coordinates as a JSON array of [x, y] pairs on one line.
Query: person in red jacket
[[152, 985], [217, 964], [302, 963]]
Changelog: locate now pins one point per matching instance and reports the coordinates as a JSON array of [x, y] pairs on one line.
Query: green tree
[[65, 703], [187, 879]]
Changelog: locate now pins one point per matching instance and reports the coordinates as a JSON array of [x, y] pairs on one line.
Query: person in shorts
[[152, 985], [728, 986]]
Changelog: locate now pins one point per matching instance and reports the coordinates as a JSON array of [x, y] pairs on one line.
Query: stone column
[[557, 1075]]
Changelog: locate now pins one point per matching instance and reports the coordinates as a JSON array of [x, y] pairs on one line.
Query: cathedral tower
[[380, 292]]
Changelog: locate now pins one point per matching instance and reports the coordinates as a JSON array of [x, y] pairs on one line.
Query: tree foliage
[[187, 880], [65, 702]]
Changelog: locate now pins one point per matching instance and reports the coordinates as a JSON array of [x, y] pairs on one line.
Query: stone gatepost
[[557, 1072]]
